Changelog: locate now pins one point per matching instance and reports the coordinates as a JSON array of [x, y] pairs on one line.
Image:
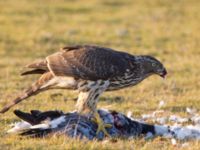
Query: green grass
[[166, 29]]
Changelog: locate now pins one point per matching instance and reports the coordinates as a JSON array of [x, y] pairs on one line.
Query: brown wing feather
[[37, 67], [69, 48], [39, 64], [34, 71], [89, 62]]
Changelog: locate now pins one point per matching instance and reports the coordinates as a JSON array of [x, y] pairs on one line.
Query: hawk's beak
[[163, 74]]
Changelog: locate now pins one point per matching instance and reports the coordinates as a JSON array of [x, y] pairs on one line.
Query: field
[[166, 29]]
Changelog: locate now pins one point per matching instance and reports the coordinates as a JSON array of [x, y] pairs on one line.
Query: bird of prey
[[91, 70]]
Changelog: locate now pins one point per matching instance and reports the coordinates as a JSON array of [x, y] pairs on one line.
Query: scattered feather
[[161, 104], [173, 141], [190, 111]]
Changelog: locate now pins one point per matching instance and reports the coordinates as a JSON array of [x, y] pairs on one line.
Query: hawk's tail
[[36, 88]]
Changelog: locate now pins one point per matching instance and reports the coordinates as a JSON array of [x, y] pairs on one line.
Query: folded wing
[[88, 62]]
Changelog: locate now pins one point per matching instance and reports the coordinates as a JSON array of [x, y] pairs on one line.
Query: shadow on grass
[[109, 100], [115, 99], [58, 96]]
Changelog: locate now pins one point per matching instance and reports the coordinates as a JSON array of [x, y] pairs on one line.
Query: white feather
[[19, 126], [54, 123]]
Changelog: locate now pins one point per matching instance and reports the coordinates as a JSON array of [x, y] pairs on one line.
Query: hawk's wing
[[89, 62]]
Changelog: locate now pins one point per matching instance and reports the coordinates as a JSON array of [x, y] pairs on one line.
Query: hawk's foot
[[101, 125]]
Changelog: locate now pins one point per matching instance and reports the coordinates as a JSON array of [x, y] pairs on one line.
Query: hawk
[[91, 70]]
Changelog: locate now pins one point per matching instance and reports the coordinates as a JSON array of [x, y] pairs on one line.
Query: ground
[[166, 29]]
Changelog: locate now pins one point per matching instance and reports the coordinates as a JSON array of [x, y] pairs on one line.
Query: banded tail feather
[[36, 88]]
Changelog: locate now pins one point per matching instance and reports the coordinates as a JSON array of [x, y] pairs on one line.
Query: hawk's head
[[154, 66]]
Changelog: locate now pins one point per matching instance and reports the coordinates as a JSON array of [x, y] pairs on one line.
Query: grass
[[166, 29]]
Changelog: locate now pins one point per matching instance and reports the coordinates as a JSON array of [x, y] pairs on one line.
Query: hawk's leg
[[101, 125], [88, 98]]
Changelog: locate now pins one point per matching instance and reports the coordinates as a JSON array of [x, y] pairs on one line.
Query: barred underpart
[[89, 92]]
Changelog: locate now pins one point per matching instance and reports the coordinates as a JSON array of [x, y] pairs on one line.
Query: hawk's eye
[[153, 64]]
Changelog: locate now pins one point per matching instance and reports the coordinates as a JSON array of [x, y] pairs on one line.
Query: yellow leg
[[101, 126]]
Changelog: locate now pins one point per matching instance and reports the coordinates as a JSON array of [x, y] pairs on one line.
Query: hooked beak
[[164, 73]]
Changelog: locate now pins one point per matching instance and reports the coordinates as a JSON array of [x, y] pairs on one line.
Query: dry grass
[[166, 29]]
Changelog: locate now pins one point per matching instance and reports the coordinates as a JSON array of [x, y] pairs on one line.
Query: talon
[[101, 125]]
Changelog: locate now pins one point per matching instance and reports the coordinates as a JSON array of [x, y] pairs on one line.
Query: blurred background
[[166, 29]]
